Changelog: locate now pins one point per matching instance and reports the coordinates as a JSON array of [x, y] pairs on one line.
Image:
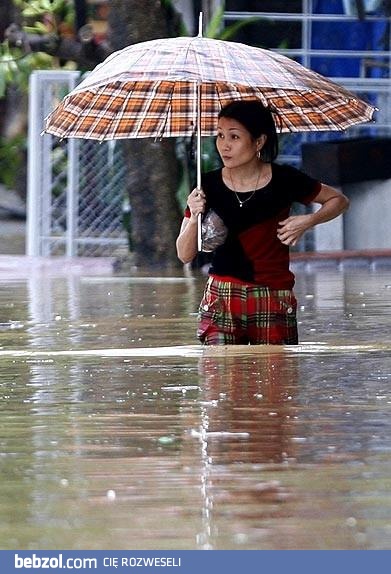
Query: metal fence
[[76, 188]]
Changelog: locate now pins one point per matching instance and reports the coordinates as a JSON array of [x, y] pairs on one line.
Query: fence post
[[33, 169], [39, 166], [72, 198]]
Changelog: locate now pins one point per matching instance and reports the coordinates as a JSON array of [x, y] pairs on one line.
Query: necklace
[[243, 201]]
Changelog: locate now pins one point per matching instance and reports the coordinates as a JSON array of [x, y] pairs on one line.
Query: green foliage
[[40, 17], [8, 67], [214, 27], [15, 67], [11, 159], [43, 16]]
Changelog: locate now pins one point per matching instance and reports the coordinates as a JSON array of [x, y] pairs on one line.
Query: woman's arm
[[332, 202], [186, 243]]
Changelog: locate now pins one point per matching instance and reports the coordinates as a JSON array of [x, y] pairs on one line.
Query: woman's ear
[[261, 142]]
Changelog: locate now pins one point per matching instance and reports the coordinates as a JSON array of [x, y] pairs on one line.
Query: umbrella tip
[[200, 25]]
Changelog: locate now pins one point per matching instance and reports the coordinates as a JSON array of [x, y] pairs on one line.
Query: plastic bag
[[213, 231]]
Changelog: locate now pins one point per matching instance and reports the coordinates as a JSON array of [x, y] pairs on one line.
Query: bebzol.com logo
[[38, 562]]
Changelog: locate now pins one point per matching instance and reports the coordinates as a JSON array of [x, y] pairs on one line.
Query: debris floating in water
[[166, 440]]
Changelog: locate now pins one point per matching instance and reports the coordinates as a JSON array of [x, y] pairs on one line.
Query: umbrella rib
[[114, 122], [116, 117], [163, 123]]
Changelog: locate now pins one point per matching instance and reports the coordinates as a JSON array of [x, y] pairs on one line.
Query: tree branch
[[83, 49]]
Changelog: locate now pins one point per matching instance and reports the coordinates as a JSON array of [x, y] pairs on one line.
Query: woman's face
[[235, 144]]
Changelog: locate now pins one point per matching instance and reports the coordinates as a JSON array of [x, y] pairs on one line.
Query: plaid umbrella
[[158, 89]]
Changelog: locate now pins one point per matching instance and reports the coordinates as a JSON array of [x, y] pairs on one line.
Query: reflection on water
[[119, 431]]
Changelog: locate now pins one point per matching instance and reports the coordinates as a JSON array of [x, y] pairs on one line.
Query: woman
[[248, 297]]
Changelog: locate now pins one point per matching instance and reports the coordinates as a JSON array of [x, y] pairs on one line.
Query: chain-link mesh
[[101, 172]]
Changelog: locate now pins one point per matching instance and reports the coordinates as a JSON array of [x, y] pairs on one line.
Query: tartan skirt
[[239, 314]]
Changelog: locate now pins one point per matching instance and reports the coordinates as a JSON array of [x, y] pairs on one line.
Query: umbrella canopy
[[162, 88]]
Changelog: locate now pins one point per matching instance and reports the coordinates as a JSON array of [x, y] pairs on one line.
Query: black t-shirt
[[252, 252]]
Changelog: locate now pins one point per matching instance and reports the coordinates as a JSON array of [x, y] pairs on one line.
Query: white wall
[[367, 223], [329, 236]]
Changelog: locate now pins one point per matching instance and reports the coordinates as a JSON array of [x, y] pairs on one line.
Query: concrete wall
[[329, 236], [367, 223]]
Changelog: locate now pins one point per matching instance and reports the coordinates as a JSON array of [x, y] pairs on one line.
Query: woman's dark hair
[[258, 120]]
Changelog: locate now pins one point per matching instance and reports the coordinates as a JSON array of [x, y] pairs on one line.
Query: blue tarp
[[355, 35]]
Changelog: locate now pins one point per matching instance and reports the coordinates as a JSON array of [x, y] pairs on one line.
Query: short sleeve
[[302, 188]]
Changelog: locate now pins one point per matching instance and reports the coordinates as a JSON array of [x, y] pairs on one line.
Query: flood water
[[118, 431]]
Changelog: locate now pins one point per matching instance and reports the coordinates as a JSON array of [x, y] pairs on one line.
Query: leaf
[[46, 5], [20, 3], [12, 67], [214, 26], [3, 82], [58, 6], [41, 27], [231, 30], [32, 12], [10, 76], [69, 18], [32, 30], [40, 60]]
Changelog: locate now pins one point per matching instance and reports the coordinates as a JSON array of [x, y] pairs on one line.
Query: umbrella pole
[[198, 161]]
